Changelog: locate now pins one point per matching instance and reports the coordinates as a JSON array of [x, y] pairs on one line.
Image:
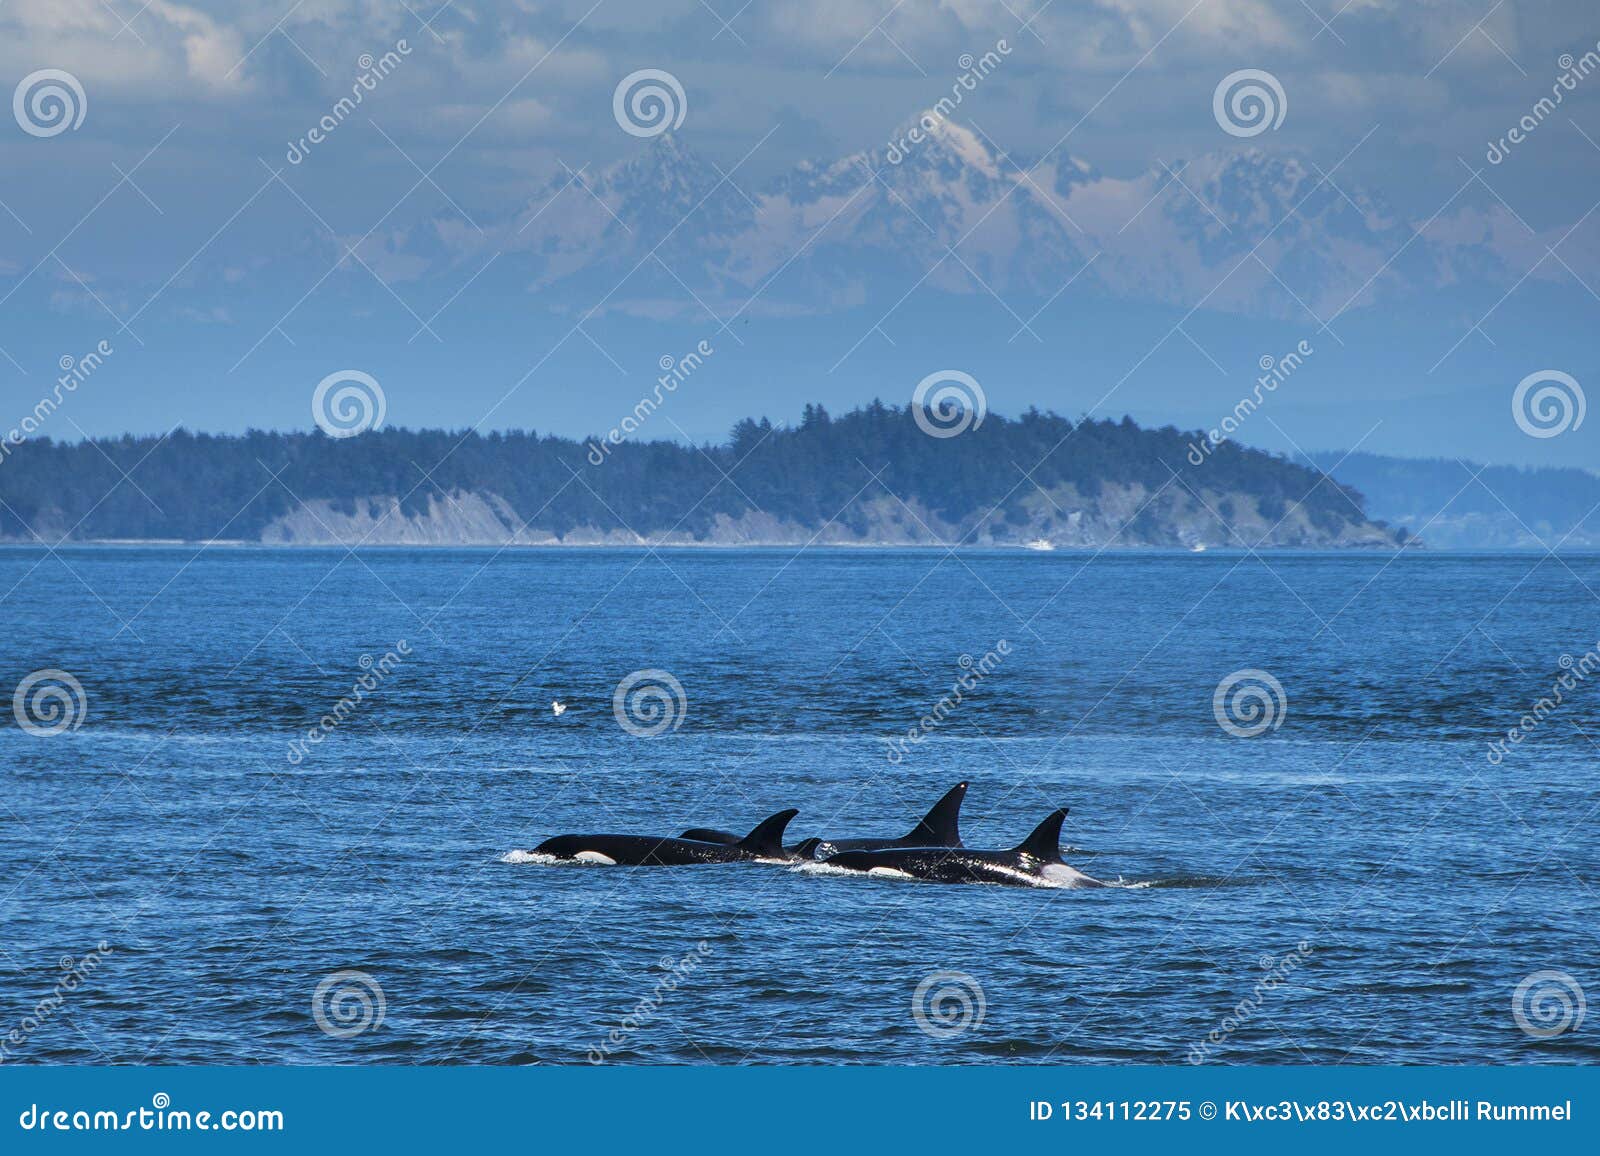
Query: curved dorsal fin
[[940, 826], [1045, 842], [767, 838]]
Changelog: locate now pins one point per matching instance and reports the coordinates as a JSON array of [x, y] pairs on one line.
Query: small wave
[[1192, 881], [811, 867], [1129, 884]]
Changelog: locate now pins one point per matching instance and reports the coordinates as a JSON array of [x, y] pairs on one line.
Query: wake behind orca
[[938, 828], [1035, 862], [763, 843]]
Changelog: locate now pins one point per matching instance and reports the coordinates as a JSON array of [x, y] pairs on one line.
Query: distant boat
[[1198, 548], [1040, 544]]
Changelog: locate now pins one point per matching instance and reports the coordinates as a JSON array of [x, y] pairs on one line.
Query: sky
[[497, 238]]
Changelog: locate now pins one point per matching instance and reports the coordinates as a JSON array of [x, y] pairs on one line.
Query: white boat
[[1198, 548], [1040, 544]]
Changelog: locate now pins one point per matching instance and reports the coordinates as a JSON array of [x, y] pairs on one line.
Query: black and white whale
[[939, 828], [1034, 862], [765, 842]]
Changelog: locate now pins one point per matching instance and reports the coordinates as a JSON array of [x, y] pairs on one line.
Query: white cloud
[[163, 52]]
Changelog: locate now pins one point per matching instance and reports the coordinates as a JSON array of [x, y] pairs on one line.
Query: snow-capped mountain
[[1239, 231]]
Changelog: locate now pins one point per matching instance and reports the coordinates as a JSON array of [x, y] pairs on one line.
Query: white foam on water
[[544, 860], [529, 857], [810, 867]]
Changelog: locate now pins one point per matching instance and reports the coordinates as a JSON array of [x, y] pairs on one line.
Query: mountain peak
[[965, 144]]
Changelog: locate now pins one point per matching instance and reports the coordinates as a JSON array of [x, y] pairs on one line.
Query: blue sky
[[1082, 233]]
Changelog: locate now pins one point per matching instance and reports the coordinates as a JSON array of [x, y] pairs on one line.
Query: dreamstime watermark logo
[[373, 69], [358, 406], [1547, 1004], [348, 1003], [1274, 372], [1548, 403], [49, 702], [973, 69], [74, 372], [1572, 71], [677, 971], [649, 702], [160, 1116], [1573, 672], [1248, 703], [649, 102], [1277, 973], [973, 671], [1249, 102], [75, 971], [948, 403], [49, 102], [674, 372], [947, 1003], [374, 671]]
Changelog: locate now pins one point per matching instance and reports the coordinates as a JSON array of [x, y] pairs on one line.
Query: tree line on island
[[199, 486]]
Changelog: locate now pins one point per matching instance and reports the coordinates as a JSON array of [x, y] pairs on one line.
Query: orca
[[1034, 862], [765, 842], [939, 828]]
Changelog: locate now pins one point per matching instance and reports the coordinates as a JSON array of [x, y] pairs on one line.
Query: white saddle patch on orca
[[890, 873], [595, 857], [1060, 875]]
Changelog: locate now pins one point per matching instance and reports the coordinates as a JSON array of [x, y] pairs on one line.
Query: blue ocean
[[272, 806]]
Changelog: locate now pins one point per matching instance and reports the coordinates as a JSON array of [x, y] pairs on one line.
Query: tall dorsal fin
[[767, 839], [940, 826], [1045, 842]]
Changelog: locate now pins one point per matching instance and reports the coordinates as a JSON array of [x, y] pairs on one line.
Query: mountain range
[[958, 214]]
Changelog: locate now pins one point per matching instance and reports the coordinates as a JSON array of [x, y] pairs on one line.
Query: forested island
[[868, 477]]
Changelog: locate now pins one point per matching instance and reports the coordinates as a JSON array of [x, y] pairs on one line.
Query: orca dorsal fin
[[1045, 842], [767, 838], [940, 826]]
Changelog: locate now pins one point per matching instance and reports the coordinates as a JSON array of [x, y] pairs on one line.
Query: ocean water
[[1357, 883]]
